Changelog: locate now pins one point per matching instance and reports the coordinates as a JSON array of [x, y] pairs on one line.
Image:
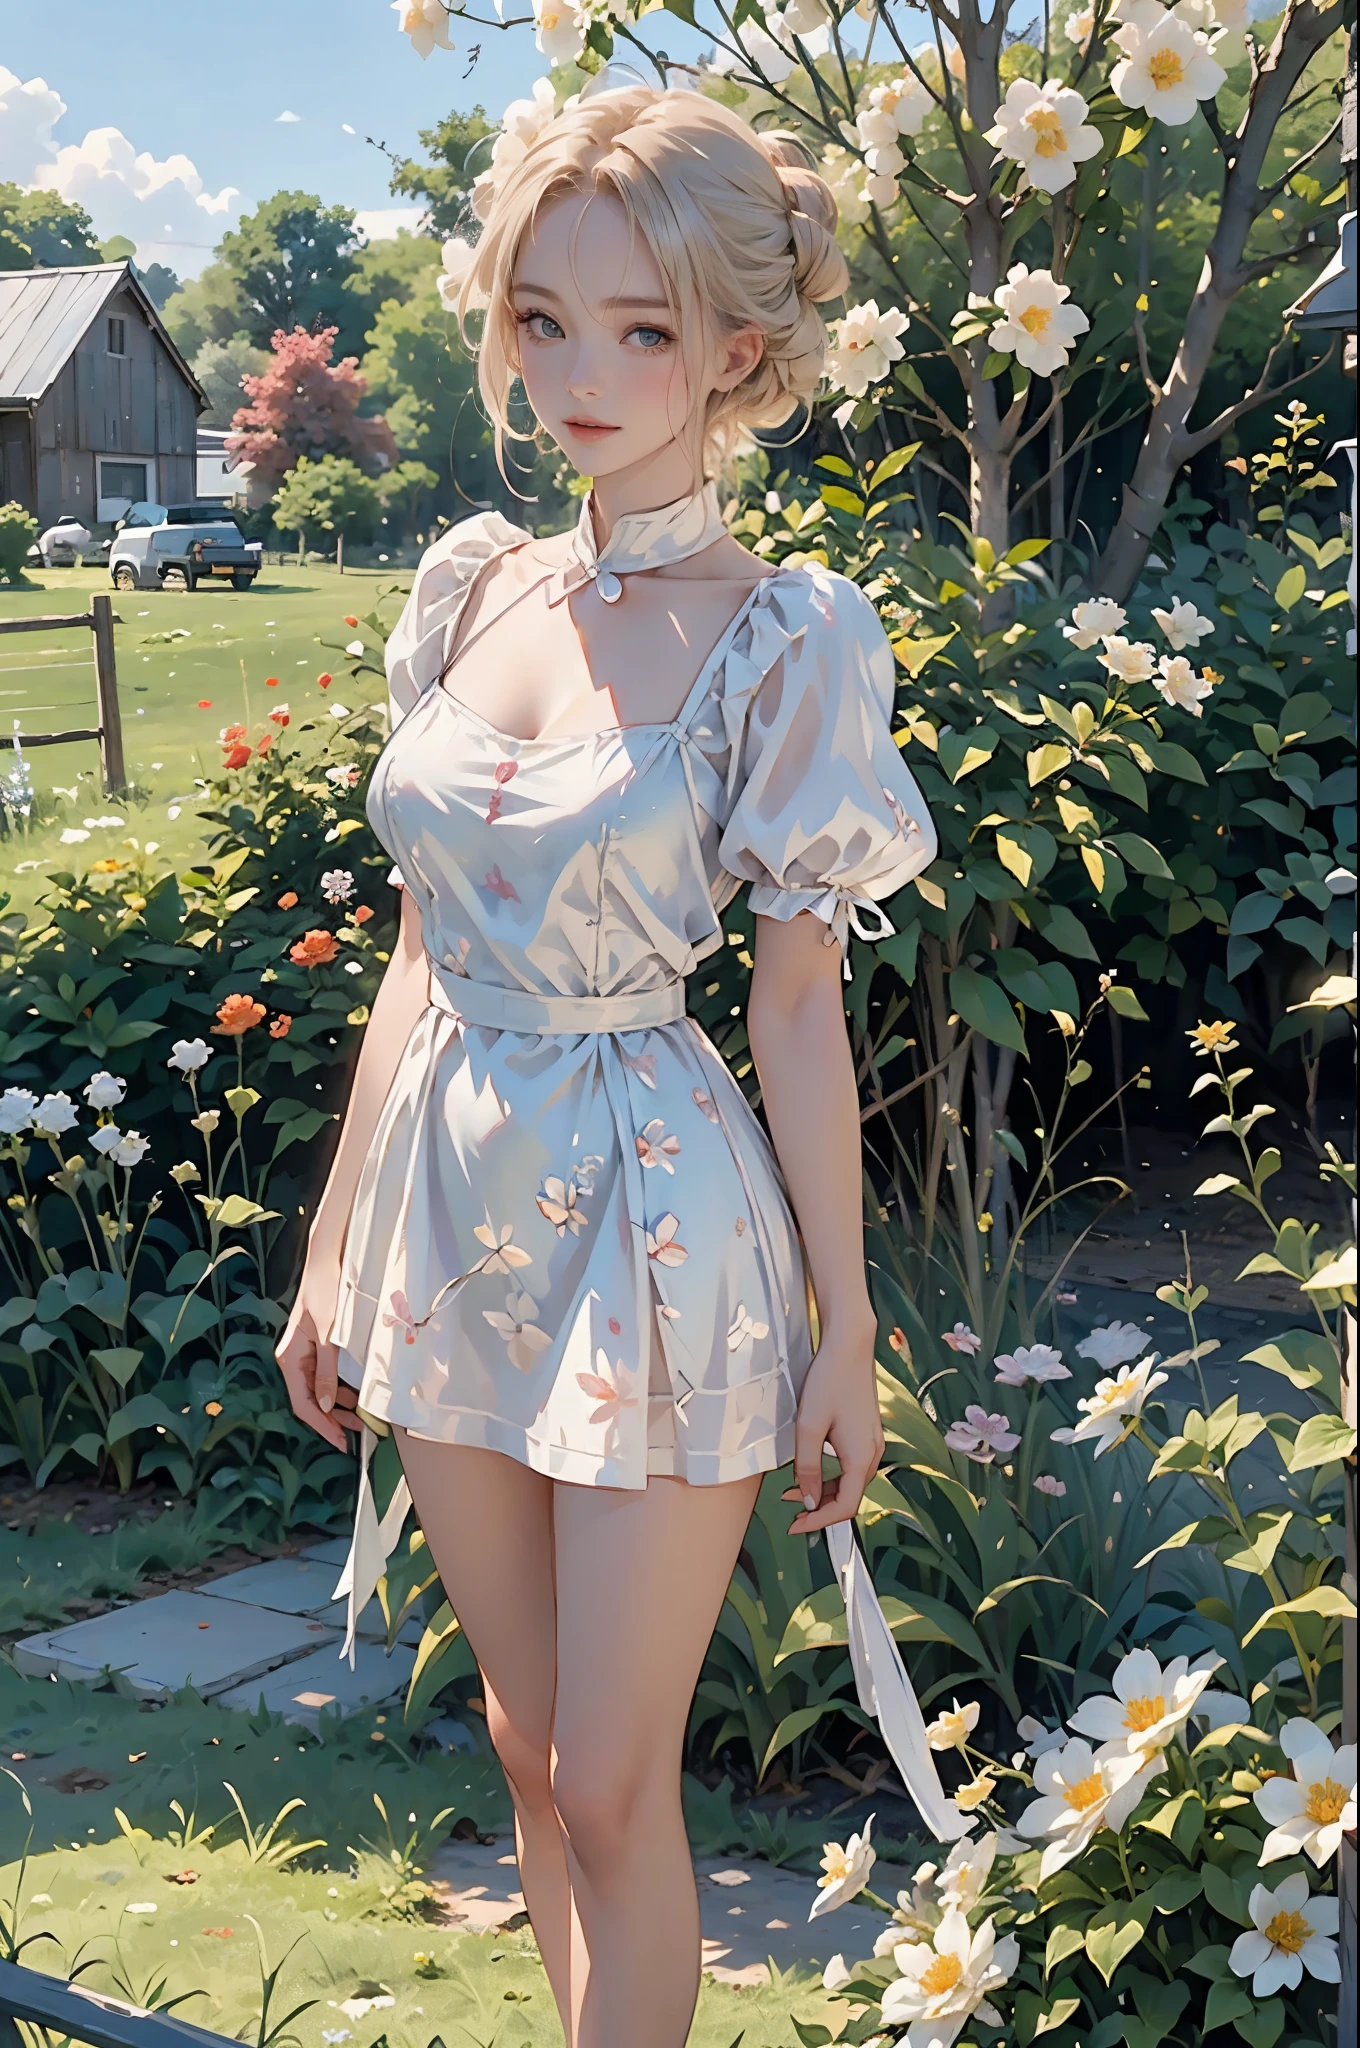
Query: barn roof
[[44, 316]]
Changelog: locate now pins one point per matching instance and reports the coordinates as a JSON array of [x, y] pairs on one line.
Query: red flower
[[271, 682], [205, 703], [495, 881], [323, 682], [236, 757], [265, 742], [350, 619], [279, 717], [230, 733]]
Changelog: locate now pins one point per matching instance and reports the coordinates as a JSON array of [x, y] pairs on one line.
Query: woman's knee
[[604, 1793], [525, 1752]]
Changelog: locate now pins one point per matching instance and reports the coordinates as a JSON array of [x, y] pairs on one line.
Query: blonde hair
[[742, 230]]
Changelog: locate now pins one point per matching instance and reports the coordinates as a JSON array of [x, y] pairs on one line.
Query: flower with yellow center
[[1109, 1413], [1044, 128], [952, 1728], [947, 1979], [1311, 1810], [1290, 1933], [1082, 1790], [426, 22], [1215, 1037], [845, 1871], [1149, 1704], [1166, 68], [866, 346], [969, 1798]]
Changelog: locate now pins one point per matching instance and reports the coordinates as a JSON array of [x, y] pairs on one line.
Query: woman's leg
[[641, 1578], [488, 1522]]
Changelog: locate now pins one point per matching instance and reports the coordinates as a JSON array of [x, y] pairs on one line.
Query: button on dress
[[570, 1241]]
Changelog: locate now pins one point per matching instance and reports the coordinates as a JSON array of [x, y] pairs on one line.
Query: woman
[[556, 1254]]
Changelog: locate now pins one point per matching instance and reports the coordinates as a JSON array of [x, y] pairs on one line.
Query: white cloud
[[287, 115], [380, 223], [161, 206]]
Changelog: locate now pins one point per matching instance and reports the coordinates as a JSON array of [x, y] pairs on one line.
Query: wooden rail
[[91, 2017], [100, 621]]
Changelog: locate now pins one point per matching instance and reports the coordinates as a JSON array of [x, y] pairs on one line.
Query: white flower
[[1039, 330], [866, 344], [343, 778], [458, 259], [845, 1871], [963, 1879], [1166, 70], [961, 1338], [898, 107], [503, 1252], [73, 835], [426, 22], [1080, 25], [1183, 625], [354, 967], [836, 1973], [760, 49], [1290, 1933], [1030, 1362], [141, 1906], [356, 2008], [16, 1111], [1045, 129], [953, 1727], [1046, 1483], [1131, 661], [1092, 620], [354, 647], [340, 710], [1308, 1813], [337, 885], [131, 1148], [557, 1201], [559, 31], [947, 1979], [1113, 1345], [517, 1327], [104, 1091], [187, 1055], [803, 18], [1115, 1404], [1082, 1791], [54, 1115], [1177, 682], [744, 1326], [655, 1145], [663, 1244], [981, 1436], [1037, 1739], [844, 174], [1149, 1703]]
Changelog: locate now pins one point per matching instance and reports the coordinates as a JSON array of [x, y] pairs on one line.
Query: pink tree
[[304, 404]]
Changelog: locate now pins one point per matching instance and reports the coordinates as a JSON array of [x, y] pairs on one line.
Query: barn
[[98, 407]]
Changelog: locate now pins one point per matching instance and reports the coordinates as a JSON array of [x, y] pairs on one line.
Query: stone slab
[[173, 1640], [303, 1585], [748, 1911], [323, 1683], [334, 1550], [451, 1733]]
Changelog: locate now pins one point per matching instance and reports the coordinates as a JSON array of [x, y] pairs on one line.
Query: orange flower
[[280, 716], [271, 682], [231, 733], [281, 1026], [238, 1014], [313, 949], [288, 900], [264, 743], [236, 757], [350, 619], [205, 703], [361, 913]]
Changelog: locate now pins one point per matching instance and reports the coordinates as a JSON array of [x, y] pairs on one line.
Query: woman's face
[[599, 348]]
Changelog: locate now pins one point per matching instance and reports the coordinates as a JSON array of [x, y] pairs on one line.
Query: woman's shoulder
[[824, 617], [457, 554]]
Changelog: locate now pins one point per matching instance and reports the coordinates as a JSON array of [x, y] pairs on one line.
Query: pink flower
[[961, 1338], [504, 772], [981, 1436], [1046, 1483], [399, 1316], [704, 1101], [608, 1388], [495, 881], [1033, 1362], [656, 1146]]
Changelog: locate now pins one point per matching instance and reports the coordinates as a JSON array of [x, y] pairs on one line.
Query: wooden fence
[[100, 621]]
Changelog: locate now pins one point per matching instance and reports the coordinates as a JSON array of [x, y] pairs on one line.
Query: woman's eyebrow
[[623, 303]]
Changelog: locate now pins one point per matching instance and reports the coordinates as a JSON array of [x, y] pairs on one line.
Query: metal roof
[[44, 316]]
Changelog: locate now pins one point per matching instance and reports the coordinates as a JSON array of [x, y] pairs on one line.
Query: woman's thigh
[[488, 1521], [641, 1578]]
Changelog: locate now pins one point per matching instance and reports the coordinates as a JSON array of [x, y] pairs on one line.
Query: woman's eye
[[650, 337], [542, 326]]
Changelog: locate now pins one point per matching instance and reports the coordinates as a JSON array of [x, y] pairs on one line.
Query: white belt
[[486, 1004]]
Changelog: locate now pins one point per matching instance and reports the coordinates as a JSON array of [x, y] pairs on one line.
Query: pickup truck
[[185, 546]]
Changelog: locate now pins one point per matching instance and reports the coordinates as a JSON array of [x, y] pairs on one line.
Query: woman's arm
[[307, 1362], [796, 1023]]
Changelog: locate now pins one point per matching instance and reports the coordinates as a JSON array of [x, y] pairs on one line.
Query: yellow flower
[[1207, 1038], [969, 1797]]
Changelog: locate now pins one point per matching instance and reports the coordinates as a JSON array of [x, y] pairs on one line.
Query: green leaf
[[1115, 1933], [120, 1362], [1041, 762], [790, 1728], [1125, 1002], [893, 465], [236, 1212], [1065, 932], [961, 752], [996, 362], [1303, 1358], [1226, 2003], [1263, 2026], [1062, 1942], [1322, 1439], [437, 1662], [982, 1004], [143, 1411], [1026, 550], [1265, 1530], [1014, 855], [1291, 586], [1327, 1601], [843, 500], [1140, 854], [175, 1320]]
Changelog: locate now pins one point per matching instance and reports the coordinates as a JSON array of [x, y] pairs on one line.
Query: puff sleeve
[[827, 817]]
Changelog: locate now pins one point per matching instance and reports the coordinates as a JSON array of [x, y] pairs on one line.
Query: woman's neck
[[644, 487]]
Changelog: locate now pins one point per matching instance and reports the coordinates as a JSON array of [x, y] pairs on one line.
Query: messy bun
[[741, 226]]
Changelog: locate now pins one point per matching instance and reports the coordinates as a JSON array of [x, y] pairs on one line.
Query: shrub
[[18, 531]]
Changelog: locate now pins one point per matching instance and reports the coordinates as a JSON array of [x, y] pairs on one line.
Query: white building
[[220, 474]]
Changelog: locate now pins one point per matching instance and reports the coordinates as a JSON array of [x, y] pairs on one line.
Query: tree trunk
[[340, 552]]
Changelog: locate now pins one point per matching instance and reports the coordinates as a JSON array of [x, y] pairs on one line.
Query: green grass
[[176, 695]]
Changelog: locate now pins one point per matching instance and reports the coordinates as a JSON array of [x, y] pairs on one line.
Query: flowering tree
[[304, 404], [992, 174]]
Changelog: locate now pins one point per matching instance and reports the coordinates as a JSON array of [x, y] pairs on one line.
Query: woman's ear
[[738, 355]]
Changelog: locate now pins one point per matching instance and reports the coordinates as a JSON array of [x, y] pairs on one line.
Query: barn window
[[117, 336]]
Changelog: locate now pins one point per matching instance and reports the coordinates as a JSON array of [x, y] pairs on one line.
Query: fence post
[[106, 682]]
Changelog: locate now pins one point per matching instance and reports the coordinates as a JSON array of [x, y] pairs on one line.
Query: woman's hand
[[309, 1364], [839, 1406]]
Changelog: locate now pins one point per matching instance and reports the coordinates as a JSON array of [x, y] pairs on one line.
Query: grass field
[[189, 663]]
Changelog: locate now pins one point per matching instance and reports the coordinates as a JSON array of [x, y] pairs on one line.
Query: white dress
[[571, 1241]]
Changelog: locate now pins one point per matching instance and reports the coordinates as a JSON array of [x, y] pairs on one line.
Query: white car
[[66, 543]]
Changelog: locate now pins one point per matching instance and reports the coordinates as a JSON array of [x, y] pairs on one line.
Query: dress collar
[[640, 540]]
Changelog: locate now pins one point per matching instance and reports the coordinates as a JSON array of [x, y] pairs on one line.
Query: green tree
[[445, 178], [18, 531], [395, 267], [159, 282], [219, 367], [209, 307], [291, 260], [330, 496], [402, 490], [43, 231], [421, 379]]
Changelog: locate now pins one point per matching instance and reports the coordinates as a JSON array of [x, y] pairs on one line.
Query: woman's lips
[[588, 430]]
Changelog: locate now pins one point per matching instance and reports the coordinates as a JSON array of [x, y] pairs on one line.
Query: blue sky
[[208, 84]]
